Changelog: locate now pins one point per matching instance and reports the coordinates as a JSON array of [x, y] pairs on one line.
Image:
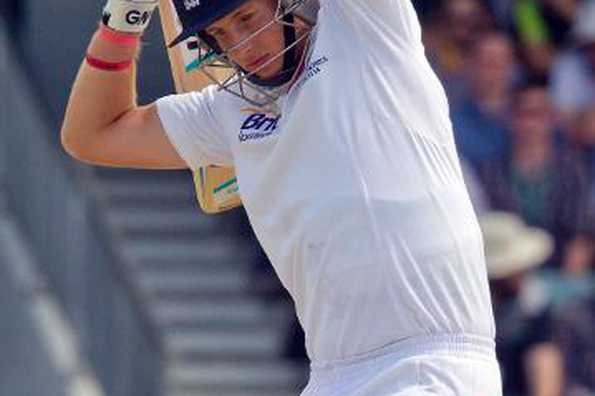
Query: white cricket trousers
[[446, 365]]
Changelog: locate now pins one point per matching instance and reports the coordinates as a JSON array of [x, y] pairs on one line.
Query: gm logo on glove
[[129, 16], [136, 17]]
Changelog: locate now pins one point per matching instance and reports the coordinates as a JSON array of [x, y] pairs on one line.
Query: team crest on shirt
[[258, 125]]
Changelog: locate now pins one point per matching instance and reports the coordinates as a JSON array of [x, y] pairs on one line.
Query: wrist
[[105, 33], [114, 46], [111, 50]]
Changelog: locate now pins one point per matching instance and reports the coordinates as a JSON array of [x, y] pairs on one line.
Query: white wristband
[[129, 16]]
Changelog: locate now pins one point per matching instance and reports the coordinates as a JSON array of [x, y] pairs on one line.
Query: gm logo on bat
[[258, 126]]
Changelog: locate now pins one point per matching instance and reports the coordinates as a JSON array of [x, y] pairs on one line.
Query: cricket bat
[[216, 187]]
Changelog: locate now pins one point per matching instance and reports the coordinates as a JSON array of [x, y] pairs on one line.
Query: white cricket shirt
[[355, 190]]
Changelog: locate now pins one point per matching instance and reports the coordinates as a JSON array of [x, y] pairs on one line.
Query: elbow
[[73, 146], [68, 144]]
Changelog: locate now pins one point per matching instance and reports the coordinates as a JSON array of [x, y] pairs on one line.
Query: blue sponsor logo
[[258, 126], [312, 69]]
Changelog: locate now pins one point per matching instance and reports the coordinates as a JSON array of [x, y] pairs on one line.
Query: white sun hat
[[511, 246], [584, 24]]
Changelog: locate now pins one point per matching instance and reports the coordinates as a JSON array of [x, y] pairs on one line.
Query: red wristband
[[107, 66], [113, 36]]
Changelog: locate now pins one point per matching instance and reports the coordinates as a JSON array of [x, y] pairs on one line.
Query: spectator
[[479, 120], [426, 8], [540, 28], [591, 221], [539, 180], [531, 363], [584, 138], [449, 38], [581, 253], [574, 333], [573, 74], [478, 197], [585, 128]]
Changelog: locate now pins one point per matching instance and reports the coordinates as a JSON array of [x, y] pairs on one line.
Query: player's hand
[[128, 16]]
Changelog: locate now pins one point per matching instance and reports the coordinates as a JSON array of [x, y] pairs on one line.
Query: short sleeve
[[193, 130], [384, 20]]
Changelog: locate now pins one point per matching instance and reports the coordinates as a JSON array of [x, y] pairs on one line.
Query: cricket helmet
[[196, 15]]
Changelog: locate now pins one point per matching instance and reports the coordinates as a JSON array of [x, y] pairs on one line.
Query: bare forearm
[[98, 97]]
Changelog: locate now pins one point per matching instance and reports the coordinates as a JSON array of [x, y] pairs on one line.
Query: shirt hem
[[448, 343]]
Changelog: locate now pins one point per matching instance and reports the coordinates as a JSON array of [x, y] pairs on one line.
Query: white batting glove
[[129, 16]]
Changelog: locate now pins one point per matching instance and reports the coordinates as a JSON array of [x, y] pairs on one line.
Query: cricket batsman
[[340, 136]]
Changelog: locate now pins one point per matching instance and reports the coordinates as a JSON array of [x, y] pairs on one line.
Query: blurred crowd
[[520, 78]]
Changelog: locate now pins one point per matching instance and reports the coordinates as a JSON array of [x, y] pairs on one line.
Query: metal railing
[[73, 245]]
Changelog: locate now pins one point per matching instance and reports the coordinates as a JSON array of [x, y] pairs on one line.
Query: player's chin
[[268, 72]]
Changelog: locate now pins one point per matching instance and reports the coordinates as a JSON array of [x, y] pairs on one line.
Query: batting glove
[[129, 16]]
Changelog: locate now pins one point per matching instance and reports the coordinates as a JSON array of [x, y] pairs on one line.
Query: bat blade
[[216, 187]]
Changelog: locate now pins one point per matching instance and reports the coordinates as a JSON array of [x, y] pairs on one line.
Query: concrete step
[[233, 392], [121, 189], [164, 265], [235, 376], [165, 222], [256, 343], [185, 313], [106, 174], [246, 312], [223, 281], [199, 250]]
